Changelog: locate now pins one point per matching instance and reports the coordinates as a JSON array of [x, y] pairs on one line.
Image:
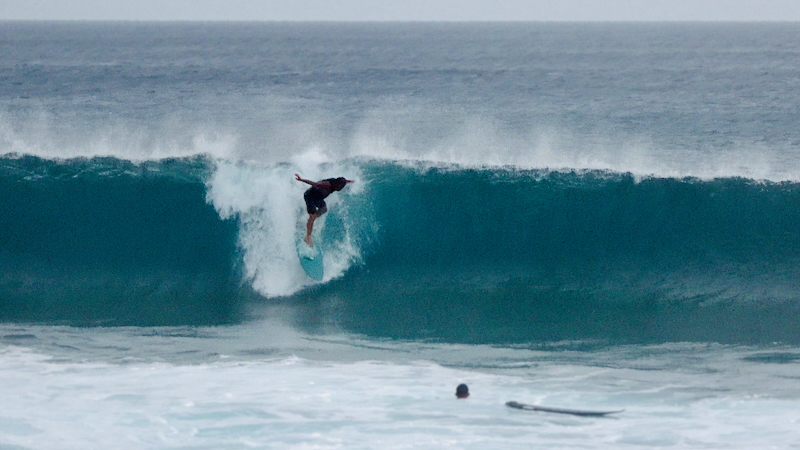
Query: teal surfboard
[[310, 259]]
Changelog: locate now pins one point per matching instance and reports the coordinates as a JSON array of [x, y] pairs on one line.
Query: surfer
[[462, 391], [315, 199]]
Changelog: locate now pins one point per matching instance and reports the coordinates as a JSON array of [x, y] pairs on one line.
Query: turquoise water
[[517, 255], [591, 216]]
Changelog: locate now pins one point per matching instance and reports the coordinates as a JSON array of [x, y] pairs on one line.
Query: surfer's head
[[462, 391], [338, 183]]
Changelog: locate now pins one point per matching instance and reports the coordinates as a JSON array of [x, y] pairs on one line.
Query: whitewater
[[588, 216]]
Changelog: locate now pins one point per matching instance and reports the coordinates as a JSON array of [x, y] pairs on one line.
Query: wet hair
[[338, 183], [462, 391]]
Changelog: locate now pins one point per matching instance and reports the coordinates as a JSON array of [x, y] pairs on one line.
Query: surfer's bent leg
[[315, 207], [310, 224], [309, 228]]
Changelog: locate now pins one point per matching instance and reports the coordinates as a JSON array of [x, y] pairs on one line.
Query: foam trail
[[267, 201]]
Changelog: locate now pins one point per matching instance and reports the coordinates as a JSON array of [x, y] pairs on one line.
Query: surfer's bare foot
[[307, 240]]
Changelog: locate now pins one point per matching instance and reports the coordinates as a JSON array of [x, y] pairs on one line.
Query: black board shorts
[[314, 201]]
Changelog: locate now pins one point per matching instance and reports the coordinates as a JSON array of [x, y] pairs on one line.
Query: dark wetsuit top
[[315, 197]]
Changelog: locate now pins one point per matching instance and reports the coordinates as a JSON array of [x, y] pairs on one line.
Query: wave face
[[501, 255], [106, 242], [542, 182], [491, 255]]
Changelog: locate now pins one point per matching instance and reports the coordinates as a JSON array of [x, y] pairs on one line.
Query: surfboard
[[574, 412], [310, 259]]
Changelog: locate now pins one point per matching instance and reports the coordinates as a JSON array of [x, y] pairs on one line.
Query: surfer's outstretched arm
[[303, 180], [325, 185]]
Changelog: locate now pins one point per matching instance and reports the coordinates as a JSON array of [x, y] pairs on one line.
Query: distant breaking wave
[[447, 253]]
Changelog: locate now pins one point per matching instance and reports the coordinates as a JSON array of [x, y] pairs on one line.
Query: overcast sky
[[404, 10]]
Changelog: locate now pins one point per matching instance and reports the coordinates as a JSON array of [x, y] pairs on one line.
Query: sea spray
[[267, 202]]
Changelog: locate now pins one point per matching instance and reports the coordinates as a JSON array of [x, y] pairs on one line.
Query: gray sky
[[404, 10]]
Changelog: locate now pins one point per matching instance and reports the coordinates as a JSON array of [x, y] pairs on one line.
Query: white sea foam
[[681, 395], [268, 203]]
